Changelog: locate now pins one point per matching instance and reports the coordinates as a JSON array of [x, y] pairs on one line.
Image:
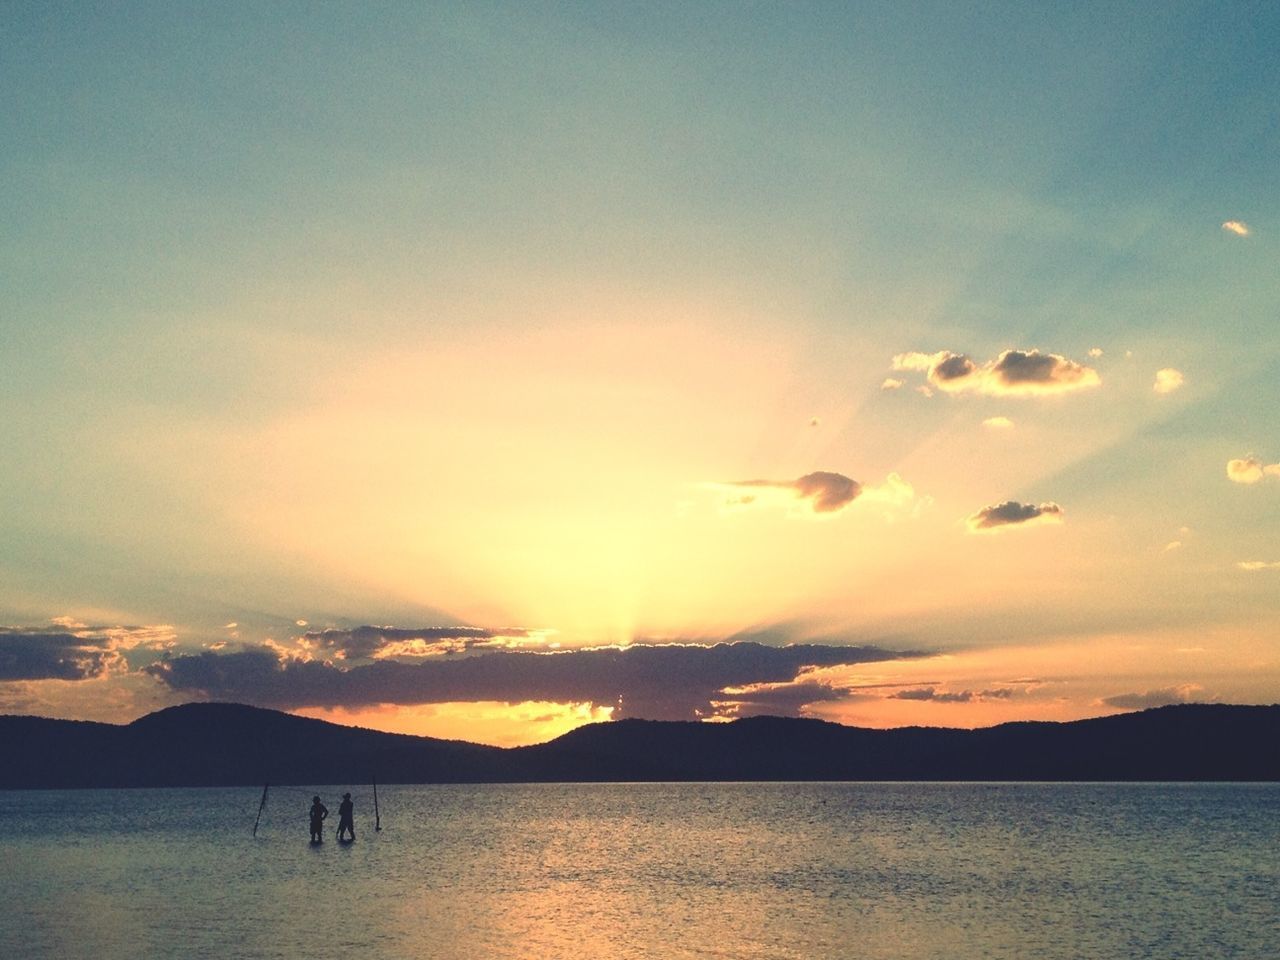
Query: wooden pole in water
[[377, 819], [262, 804]]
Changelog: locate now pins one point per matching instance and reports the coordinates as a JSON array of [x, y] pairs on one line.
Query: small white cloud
[[998, 423], [1168, 380], [1251, 470], [1238, 227], [301, 623], [924, 391], [891, 384], [1172, 545], [1095, 352], [1252, 566]]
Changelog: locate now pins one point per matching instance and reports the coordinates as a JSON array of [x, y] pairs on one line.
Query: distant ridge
[[219, 744]]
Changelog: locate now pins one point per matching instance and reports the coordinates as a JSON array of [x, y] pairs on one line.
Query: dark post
[[262, 804]]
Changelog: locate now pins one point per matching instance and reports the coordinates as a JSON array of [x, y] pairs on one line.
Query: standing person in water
[[318, 812], [346, 811]]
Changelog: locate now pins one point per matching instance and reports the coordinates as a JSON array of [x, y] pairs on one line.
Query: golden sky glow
[[354, 397]]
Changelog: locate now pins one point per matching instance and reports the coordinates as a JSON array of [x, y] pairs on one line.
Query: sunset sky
[[482, 370]]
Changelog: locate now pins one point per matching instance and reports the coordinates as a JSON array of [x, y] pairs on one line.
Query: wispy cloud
[[1012, 373], [1238, 227], [1253, 566], [1251, 470], [822, 491], [891, 383], [373, 642], [934, 695], [1168, 380], [998, 423], [1011, 513], [1183, 693]]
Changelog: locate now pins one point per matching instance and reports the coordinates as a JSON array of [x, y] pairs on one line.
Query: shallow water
[[649, 870]]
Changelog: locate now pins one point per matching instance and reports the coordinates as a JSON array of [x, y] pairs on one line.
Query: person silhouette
[[346, 810], [318, 812]]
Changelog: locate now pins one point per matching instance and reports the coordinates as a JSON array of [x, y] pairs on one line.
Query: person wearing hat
[[318, 813], [346, 822]]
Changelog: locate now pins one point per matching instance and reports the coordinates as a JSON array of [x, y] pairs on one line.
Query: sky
[[484, 370]]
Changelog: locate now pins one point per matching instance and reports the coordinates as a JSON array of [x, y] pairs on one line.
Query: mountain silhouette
[[220, 744]]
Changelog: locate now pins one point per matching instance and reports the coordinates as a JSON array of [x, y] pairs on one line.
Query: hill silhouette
[[216, 744]]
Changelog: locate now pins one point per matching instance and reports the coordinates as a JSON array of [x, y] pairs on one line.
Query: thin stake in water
[[262, 804], [377, 820]]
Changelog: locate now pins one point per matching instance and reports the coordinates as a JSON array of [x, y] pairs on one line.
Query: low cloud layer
[[666, 682], [1013, 373], [1252, 470], [1184, 693], [1011, 513]]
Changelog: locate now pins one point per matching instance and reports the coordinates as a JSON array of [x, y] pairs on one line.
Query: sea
[[608, 871]]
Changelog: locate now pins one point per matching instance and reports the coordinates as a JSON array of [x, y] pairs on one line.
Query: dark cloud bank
[[52, 656], [660, 682]]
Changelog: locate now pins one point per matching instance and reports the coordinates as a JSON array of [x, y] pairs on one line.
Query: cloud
[[1251, 470], [1013, 513], [1095, 352], [961, 696], [891, 383], [822, 491], [1012, 373], [775, 699], [52, 656], [998, 423], [72, 650], [1168, 380], [1253, 566], [1183, 693], [656, 681], [1238, 227], [362, 643]]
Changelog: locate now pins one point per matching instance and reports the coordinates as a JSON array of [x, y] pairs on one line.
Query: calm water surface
[[748, 871]]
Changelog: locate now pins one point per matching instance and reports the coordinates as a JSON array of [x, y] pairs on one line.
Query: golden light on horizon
[[487, 722]]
